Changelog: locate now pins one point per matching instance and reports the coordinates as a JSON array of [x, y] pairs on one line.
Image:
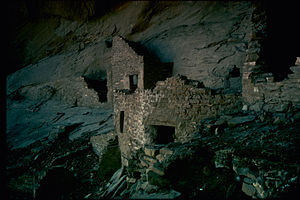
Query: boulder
[[249, 189], [101, 142]]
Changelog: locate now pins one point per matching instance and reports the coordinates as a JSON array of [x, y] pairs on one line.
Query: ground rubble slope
[[239, 155]]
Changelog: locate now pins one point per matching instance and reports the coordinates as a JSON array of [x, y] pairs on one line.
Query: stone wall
[[130, 58], [125, 61], [176, 102], [262, 93], [261, 89]]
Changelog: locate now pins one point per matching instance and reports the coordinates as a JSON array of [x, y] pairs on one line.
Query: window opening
[[121, 121], [133, 82]]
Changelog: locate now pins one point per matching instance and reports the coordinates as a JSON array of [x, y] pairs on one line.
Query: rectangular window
[[121, 121], [133, 82]]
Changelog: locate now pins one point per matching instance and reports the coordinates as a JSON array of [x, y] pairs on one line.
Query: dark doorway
[[121, 121], [163, 134], [133, 82]]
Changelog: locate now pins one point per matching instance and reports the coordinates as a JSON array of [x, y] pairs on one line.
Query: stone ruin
[[153, 108], [168, 112]]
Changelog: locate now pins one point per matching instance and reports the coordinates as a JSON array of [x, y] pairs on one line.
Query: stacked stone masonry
[[173, 103], [127, 62], [262, 93]]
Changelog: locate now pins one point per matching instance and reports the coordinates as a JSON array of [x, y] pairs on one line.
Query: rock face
[[204, 44], [187, 34]]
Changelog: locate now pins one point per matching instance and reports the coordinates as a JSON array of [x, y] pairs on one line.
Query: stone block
[[150, 159], [157, 169], [166, 151], [160, 83], [260, 190], [151, 151], [160, 157], [271, 87], [144, 163], [248, 189]]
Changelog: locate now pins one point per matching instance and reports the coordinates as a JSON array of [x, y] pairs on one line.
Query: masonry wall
[[174, 102], [262, 93], [125, 62], [132, 137], [130, 58], [260, 90]]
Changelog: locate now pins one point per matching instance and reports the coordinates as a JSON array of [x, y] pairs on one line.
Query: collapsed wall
[[269, 83], [262, 93]]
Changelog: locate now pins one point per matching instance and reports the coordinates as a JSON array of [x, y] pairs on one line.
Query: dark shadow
[[110, 161], [57, 184], [100, 86], [282, 43], [234, 72], [195, 176], [161, 134], [165, 134]]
